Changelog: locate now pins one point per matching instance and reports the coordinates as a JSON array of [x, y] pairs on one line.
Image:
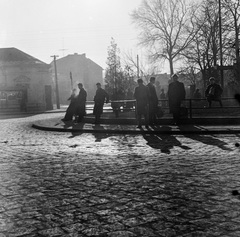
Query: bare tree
[[233, 8], [204, 50], [145, 67], [166, 27]]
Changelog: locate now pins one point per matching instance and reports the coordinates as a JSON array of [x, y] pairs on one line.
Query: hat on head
[[140, 80], [98, 84], [80, 84]]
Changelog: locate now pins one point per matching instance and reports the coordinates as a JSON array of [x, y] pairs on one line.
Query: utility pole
[[71, 80], [137, 66], [220, 42], [56, 81]]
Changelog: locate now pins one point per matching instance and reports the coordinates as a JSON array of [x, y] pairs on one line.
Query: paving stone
[[121, 185]]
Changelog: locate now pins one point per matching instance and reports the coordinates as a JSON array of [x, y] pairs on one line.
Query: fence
[[197, 108]]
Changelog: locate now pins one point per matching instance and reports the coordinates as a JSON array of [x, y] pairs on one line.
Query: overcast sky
[[43, 28]]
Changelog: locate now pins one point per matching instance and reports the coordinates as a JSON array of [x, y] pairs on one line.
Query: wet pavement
[[84, 184]]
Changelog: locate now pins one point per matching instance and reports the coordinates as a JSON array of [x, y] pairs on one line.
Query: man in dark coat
[[153, 101], [141, 94], [213, 92], [176, 93], [99, 99], [81, 103]]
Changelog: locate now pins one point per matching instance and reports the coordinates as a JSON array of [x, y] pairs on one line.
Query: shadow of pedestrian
[[206, 139], [66, 124], [77, 126], [100, 133], [163, 142]]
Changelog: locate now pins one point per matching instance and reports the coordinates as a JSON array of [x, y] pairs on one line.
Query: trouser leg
[[139, 119], [97, 118], [220, 102]]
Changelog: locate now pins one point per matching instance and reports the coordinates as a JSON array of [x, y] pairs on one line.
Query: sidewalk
[[55, 124]]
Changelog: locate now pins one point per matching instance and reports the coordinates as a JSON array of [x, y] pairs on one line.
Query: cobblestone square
[[82, 184]]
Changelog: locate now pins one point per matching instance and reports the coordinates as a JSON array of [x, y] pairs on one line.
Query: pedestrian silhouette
[[71, 110], [213, 92], [81, 103], [176, 93], [141, 94], [99, 99], [153, 101]]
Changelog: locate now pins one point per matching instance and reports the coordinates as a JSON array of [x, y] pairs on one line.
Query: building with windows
[[73, 69], [25, 82]]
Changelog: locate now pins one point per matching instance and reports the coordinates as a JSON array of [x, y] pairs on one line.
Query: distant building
[[25, 82], [82, 69]]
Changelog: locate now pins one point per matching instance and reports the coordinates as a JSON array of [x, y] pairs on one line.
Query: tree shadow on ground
[[205, 139], [163, 142]]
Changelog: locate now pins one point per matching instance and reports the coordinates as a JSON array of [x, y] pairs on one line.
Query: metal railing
[[196, 107]]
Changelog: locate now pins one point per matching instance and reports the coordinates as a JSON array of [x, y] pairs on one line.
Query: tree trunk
[[171, 66]]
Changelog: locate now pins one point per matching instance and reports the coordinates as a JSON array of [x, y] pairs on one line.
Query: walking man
[[81, 103], [153, 101], [99, 99], [141, 94], [176, 93]]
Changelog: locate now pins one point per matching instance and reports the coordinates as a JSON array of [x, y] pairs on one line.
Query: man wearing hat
[[99, 99], [141, 94], [81, 103], [176, 94]]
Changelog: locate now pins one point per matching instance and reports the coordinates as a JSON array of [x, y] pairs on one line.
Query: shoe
[[139, 127]]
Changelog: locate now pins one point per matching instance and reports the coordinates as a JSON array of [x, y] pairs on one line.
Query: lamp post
[[56, 81], [220, 42]]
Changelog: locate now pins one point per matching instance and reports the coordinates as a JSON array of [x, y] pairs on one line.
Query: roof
[[76, 57], [13, 55]]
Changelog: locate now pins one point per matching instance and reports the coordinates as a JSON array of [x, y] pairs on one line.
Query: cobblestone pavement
[[63, 184]]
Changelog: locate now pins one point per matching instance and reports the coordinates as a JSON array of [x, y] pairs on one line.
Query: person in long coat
[[81, 103], [99, 99], [213, 92], [153, 101], [71, 110], [176, 93], [141, 94]]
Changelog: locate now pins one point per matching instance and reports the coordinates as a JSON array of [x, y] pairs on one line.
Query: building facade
[[25, 82], [73, 69]]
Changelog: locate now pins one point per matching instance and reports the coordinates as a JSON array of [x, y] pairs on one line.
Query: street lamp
[[220, 42]]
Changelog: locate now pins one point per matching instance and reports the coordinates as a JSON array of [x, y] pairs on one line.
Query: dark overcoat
[[141, 94], [176, 93], [153, 99], [99, 99], [214, 91], [81, 103]]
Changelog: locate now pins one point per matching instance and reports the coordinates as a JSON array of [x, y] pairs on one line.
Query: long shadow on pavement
[[206, 139], [163, 142], [99, 136], [78, 126]]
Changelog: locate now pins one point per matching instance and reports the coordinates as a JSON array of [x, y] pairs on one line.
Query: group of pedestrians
[[146, 101], [77, 106]]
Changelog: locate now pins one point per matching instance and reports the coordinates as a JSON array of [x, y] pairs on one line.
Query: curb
[[111, 131]]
